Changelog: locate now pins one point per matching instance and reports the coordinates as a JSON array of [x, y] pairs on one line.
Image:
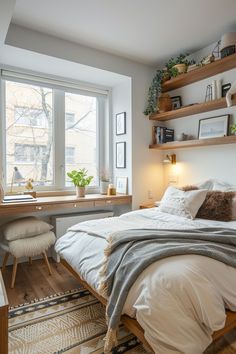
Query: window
[[70, 119], [50, 131], [70, 155], [33, 117], [29, 148], [29, 153]]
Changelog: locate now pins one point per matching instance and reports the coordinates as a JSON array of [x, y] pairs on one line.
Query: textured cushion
[[178, 202], [29, 247], [216, 185], [217, 206], [24, 227]]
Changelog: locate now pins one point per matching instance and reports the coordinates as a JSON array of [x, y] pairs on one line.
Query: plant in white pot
[[80, 179], [104, 182]]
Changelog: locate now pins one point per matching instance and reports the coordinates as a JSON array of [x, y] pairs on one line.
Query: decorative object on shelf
[[229, 93], [121, 123], [213, 87], [207, 60], [227, 45], [224, 89], [80, 180], [233, 129], [170, 159], [104, 182], [218, 89], [111, 189], [213, 127], [208, 95], [192, 67], [176, 102], [16, 178], [164, 103], [162, 135], [121, 154], [184, 137], [216, 50], [121, 185], [178, 65]]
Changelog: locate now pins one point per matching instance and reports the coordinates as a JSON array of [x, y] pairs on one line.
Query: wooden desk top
[[64, 202]]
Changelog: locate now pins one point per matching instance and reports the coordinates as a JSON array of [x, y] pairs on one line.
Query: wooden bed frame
[[133, 324]]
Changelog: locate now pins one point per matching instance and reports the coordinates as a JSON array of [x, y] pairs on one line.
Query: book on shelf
[[162, 135]]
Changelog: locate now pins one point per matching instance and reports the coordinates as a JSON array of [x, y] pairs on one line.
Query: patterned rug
[[74, 323]]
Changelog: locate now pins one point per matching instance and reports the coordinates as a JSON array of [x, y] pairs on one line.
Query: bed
[[194, 289]]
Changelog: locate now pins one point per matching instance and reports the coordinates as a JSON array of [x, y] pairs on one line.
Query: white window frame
[[59, 128]]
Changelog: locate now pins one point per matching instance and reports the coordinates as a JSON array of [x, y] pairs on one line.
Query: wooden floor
[[34, 282]]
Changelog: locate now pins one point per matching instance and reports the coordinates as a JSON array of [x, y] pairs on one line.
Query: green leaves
[[80, 178]]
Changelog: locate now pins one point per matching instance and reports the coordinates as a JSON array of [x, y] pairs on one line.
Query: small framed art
[[121, 185], [214, 127], [121, 155], [176, 102], [121, 123]]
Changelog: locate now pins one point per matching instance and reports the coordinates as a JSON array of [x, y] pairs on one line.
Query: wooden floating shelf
[[190, 110], [201, 73], [194, 143]]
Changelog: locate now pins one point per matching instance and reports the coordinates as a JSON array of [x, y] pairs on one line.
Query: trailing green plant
[[233, 128], [80, 178], [155, 88], [154, 92]]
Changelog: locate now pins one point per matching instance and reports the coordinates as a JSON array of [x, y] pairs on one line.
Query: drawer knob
[[38, 208], [75, 205], [108, 201]]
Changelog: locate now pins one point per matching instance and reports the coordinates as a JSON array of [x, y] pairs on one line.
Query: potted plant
[[178, 65], [233, 129], [80, 179], [104, 182]]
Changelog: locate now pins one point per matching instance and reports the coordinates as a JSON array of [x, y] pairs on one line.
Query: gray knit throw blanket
[[129, 252]]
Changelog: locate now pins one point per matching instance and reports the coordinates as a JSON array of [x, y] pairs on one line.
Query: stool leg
[[30, 260], [14, 273], [5, 261], [47, 262]]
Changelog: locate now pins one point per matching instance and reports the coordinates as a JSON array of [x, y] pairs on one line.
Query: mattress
[[178, 301]]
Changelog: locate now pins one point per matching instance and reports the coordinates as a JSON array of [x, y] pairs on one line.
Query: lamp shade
[[227, 40]]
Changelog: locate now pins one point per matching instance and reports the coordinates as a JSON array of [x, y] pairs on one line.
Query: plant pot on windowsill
[[80, 192], [104, 186], [81, 180]]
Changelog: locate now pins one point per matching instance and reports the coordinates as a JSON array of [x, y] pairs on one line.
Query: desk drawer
[[114, 201]]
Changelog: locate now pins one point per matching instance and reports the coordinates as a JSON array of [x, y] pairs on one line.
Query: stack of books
[[162, 135], [18, 198]]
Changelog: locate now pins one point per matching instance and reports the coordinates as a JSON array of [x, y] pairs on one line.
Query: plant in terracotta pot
[[80, 179]]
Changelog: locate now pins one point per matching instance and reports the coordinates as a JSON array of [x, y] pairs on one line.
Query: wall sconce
[[170, 159]]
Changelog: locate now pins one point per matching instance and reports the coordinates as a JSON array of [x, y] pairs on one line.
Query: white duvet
[[178, 301]]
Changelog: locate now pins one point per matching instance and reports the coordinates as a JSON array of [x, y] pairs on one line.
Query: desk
[[45, 204], [3, 318]]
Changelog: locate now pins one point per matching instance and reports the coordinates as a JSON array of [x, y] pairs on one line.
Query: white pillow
[[178, 202], [24, 227], [216, 185]]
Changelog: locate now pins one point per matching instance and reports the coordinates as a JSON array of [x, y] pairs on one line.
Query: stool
[[13, 242]]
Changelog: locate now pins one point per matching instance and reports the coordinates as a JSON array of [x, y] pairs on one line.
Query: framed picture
[[176, 102], [121, 185], [121, 123], [225, 89], [121, 155], [213, 127]]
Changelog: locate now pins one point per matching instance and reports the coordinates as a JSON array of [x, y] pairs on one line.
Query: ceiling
[[147, 31]]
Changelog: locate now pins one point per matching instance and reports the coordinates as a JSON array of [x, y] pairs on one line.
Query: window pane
[[29, 133], [81, 134]]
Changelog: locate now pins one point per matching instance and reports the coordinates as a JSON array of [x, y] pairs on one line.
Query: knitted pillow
[[24, 227]]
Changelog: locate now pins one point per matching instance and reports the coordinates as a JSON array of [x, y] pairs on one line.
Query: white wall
[[147, 174], [198, 164]]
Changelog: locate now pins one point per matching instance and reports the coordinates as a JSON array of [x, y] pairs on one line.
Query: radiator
[[62, 222]]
